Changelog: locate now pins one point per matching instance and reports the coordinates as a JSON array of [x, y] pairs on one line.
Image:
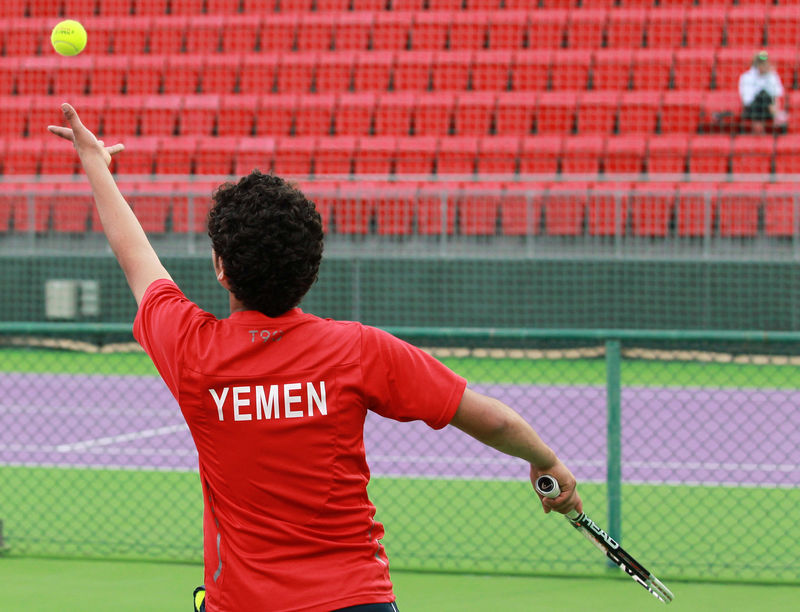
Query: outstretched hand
[[82, 139]]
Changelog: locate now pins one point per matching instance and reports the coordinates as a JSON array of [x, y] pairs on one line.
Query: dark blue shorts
[[200, 604]]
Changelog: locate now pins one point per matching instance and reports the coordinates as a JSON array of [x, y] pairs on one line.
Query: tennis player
[[276, 398]]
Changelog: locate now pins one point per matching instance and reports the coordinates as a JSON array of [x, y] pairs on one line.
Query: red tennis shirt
[[276, 407]]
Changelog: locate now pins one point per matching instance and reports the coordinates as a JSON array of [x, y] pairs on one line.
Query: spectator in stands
[[761, 92]]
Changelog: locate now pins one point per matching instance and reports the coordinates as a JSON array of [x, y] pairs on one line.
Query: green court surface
[[44, 585]]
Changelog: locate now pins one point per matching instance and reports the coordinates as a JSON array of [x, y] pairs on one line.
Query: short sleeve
[[404, 383], [162, 324]]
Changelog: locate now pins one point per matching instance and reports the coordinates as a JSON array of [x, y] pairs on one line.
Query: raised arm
[[492, 422], [125, 235]]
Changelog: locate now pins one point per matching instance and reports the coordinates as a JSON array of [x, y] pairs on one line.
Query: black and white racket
[[547, 486]]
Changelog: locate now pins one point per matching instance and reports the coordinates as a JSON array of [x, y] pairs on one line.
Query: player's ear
[[219, 270]]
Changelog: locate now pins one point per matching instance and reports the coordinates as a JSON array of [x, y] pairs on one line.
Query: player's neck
[[234, 304]]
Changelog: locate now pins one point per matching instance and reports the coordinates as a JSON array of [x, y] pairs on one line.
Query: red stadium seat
[[781, 208], [709, 154], [782, 27], [26, 37], [184, 73], [433, 114], [220, 73], [293, 156], [121, 117], [198, 115], [145, 74], [652, 207], [787, 154], [521, 209], [478, 213], [23, 156], [680, 111], [638, 112], [696, 209], [391, 30], [204, 34], [44, 111], [570, 70], [167, 35], [36, 76], [651, 69], [10, 68], [237, 116], [582, 154], [190, 212], [353, 31], [667, 154], [335, 71], [314, 32], [704, 26], [374, 156], [259, 7], [692, 69], [531, 70], [241, 34], [415, 155], [451, 70], [72, 210], [150, 7], [474, 113], [395, 208], [159, 115], [469, 30], [14, 112], [354, 208], [72, 78], [555, 112], [491, 71], [100, 41], [436, 211], [540, 155], [140, 156], [508, 29], [457, 155], [393, 113], [547, 27], [152, 209], [32, 214], [738, 209], [131, 35], [515, 113], [215, 156], [176, 155], [625, 154], [498, 154], [278, 31], [259, 73], [565, 209], [626, 28], [730, 64], [586, 28], [429, 30], [746, 27], [597, 112], [412, 71], [108, 74], [57, 158], [354, 113], [752, 154], [254, 153], [296, 72], [612, 69], [607, 213], [222, 7], [373, 71], [314, 115]]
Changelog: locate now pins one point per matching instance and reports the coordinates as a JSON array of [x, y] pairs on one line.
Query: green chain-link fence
[[686, 446]]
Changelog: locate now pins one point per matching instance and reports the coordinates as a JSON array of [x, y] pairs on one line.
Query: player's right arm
[[125, 235], [490, 421]]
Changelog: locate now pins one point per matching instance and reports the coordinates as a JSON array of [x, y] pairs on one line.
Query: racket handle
[[547, 486]]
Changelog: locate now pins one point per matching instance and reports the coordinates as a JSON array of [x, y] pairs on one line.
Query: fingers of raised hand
[[114, 149], [63, 132]]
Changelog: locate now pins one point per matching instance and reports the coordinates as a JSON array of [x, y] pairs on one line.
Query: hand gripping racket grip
[[547, 486]]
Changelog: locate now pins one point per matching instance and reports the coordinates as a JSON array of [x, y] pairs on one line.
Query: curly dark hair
[[269, 238]]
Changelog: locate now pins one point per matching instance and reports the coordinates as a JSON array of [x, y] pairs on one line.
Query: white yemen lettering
[[294, 400]]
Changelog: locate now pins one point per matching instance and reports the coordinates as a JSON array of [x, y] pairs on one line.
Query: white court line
[[137, 435]]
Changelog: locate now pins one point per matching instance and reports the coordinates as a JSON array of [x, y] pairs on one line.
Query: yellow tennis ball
[[68, 37]]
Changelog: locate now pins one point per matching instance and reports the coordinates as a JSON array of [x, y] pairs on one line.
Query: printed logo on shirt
[[265, 335], [265, 402]]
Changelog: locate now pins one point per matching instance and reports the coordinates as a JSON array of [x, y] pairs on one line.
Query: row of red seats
[[693, 210], [423, 156], [736, 27], [389, 114], [643, 70]]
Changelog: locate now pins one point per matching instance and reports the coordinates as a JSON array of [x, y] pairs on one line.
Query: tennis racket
[[547, 486]]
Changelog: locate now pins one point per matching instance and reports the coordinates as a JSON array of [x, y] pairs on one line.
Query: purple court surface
[[669, 435]]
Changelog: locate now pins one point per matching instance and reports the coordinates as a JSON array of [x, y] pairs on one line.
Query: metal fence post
[[614, 440]]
